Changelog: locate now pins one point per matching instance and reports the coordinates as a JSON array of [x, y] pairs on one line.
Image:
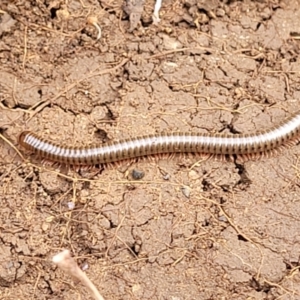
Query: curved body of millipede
[[244, 145]]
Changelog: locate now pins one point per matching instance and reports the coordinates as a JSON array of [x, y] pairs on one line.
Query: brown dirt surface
[[187, 229]]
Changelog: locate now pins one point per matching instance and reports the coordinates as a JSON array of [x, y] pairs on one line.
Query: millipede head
[[22, 138]]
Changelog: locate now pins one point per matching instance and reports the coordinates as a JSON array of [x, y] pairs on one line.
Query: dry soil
[[188, 229]]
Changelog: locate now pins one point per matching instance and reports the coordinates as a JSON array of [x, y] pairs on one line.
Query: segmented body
[[216, 144]]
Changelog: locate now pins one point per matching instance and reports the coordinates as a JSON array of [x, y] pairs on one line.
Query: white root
[[93, 21], [155, 15], [66, 263]]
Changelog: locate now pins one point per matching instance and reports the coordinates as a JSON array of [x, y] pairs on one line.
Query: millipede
[[248, 146]]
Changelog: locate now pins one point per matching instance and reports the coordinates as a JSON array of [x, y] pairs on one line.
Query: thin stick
[[66, 263], [25, 47]]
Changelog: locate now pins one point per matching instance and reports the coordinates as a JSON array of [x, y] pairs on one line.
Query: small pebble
[[85, 266], [137, 174], [71, 205], [186, 191], [220, 12], [166, 177], [45, 226], [222, 218]]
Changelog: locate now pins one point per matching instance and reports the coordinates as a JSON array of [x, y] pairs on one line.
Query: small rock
[[220, 12], [186, 191], [45, 226], [137, 174], [193, 175]]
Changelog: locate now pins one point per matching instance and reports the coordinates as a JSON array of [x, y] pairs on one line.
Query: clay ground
[[188, 229]]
